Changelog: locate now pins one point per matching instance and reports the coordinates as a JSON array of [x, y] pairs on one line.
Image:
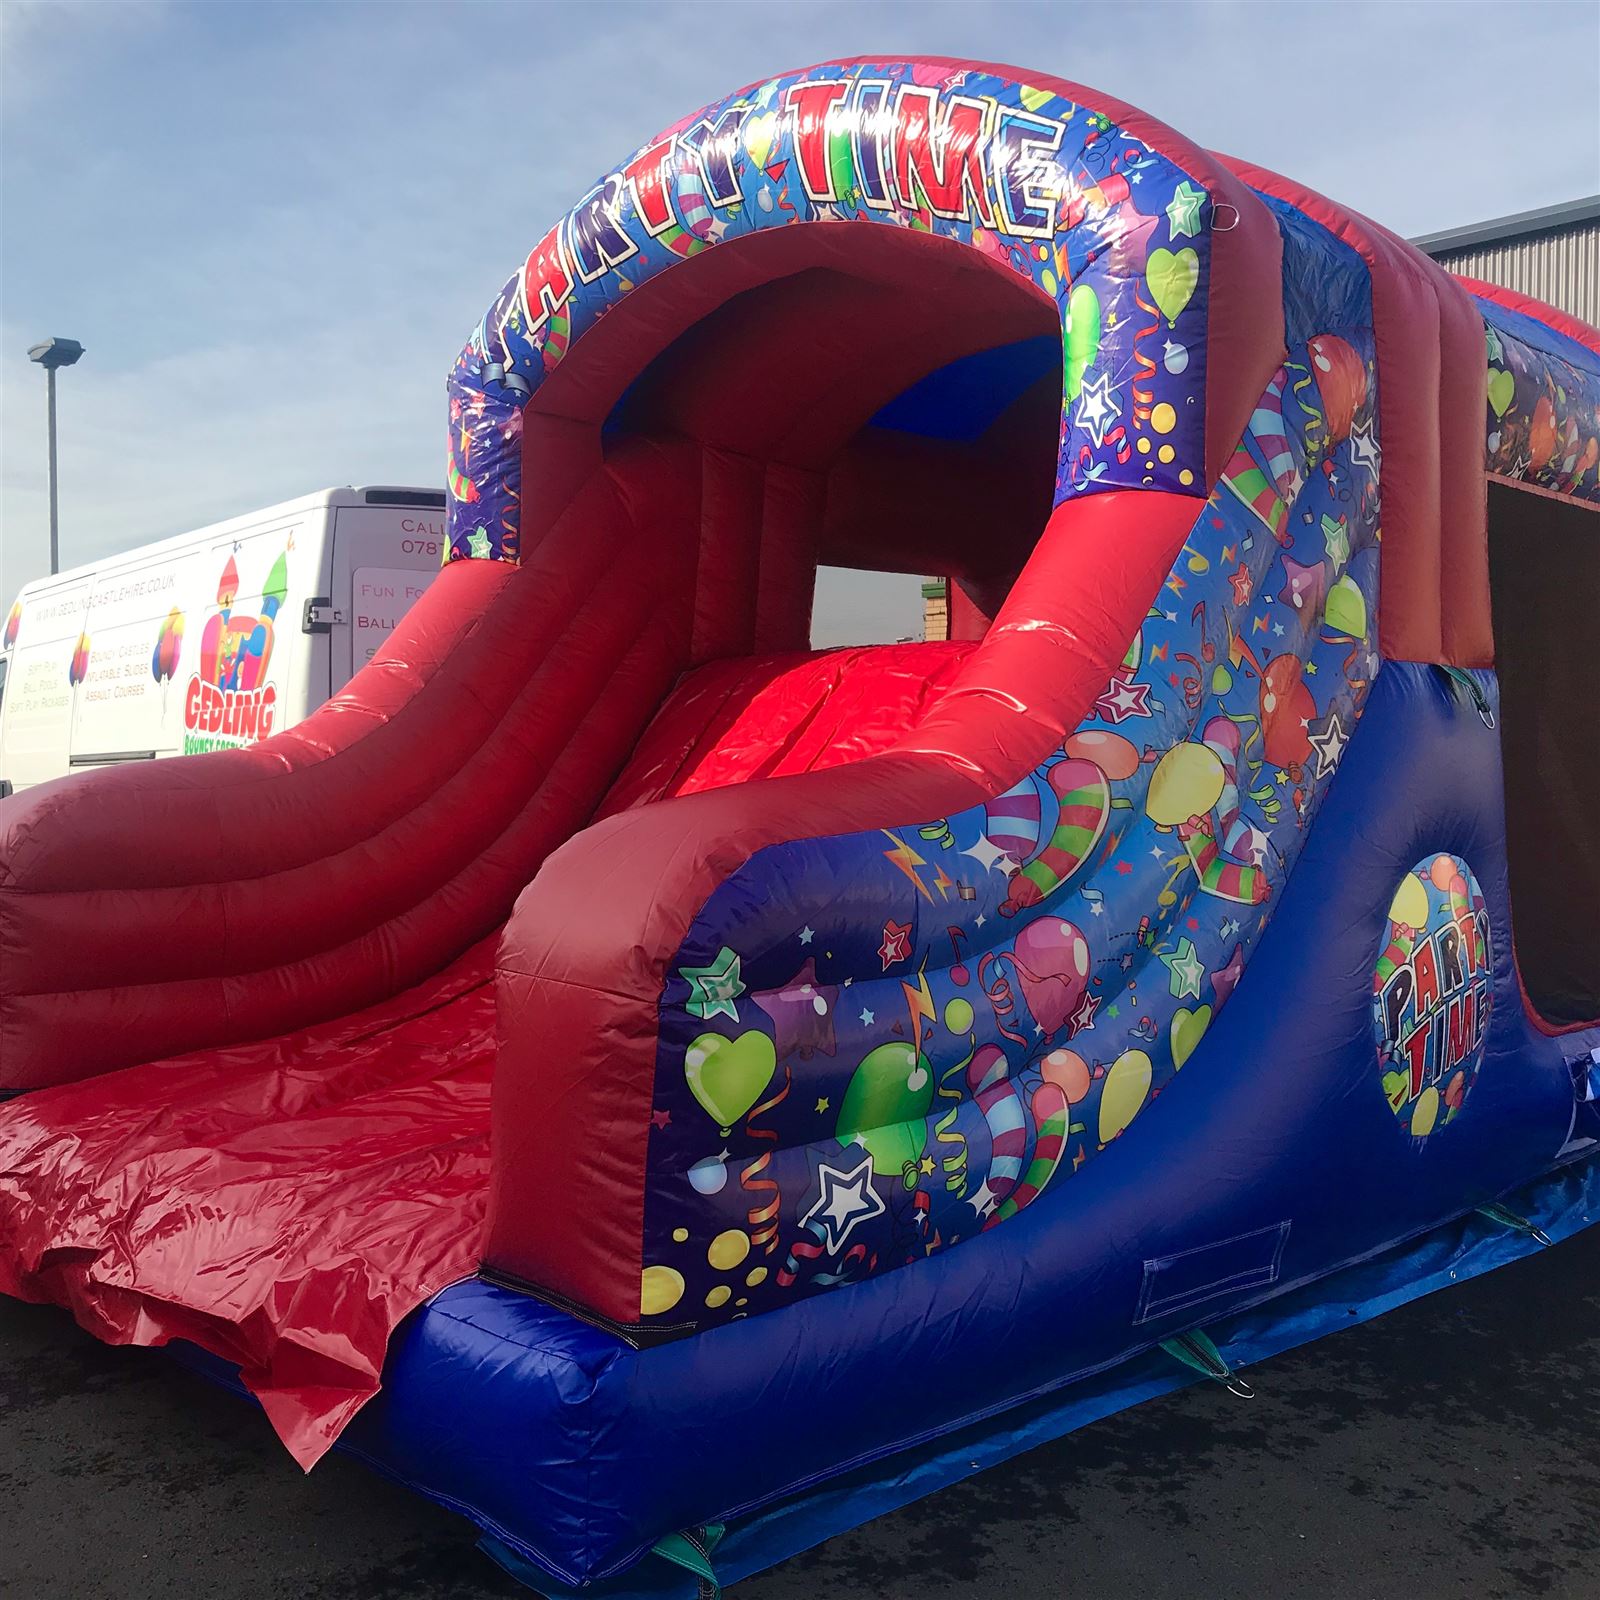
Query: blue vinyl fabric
[[1561, 1204], [1277, 1160]]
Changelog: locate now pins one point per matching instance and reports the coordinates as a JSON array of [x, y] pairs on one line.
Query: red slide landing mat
[[282, 1204], [285, 1204]]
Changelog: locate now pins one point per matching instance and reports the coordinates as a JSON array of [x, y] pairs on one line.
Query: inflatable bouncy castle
[[638, 1079]]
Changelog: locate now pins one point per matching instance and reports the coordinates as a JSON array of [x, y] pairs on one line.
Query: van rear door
[[384, 556]]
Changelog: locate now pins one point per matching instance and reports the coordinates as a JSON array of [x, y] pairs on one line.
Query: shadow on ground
[[1451, 1448]]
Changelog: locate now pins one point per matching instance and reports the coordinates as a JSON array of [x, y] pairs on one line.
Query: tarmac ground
[[1448, 1449]]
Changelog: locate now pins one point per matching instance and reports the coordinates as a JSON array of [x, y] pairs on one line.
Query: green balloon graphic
[[1081, 337], [1346, 609], [886, 1107], [727, 1076]]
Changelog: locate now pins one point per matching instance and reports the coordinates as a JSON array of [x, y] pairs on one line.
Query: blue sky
[[272, 224]]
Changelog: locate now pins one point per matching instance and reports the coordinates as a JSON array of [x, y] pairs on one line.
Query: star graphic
[[1329, 744], [1183, 211], [896, 944], [1493, 343], [986, 853], [1157, 852], [1336, 539], [1364, 451], [847, 1199], [1081, 1018], [1097, 908], [1124, 697], [1186, 969], [1097, 408], [982, 1199], [1224, 979], [1243, 585], [807, 935], [867, 1017], [925, 1165], [801, 1012], [821, 1105], [713, 989], [980, 919], [660, 1119], [478, 544]]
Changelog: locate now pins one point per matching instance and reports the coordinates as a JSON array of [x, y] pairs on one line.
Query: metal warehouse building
[[1552, 254]]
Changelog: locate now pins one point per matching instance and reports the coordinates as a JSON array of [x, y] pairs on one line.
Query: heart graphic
[[1397, 1087], [727, 1076], [760, 135], [1173, 277], [1502, 386], [1188, 1027]]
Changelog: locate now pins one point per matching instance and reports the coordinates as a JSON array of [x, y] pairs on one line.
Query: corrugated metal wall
[[1561, 267]]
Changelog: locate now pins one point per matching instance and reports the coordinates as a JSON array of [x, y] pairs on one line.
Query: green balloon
[[727, 1076], [1345, 609], [1081, 336], [886, 1107], [958, 1015]]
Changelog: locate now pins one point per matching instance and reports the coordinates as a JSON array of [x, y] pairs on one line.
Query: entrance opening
[[865, 425], [1544, 572]]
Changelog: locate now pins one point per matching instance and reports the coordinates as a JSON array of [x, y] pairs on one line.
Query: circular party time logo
[[1431, 993]]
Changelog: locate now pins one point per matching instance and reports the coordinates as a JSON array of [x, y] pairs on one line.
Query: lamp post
[[53, 353]]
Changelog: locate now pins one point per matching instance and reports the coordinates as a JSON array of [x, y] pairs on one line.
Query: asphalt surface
[[1451, 1448]]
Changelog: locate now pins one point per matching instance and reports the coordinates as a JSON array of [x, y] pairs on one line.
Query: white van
[[212, 639]]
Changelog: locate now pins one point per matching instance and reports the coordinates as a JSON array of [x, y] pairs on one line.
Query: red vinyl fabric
[[285, 1203], [741, 719], [282, 1204], [154, 910]]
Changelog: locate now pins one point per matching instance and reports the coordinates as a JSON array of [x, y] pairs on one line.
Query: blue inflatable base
[[1561, 1204]]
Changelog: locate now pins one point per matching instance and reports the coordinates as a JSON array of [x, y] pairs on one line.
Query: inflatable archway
[[763, 1061]]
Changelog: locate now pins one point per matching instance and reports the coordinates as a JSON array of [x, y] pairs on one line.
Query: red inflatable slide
[[296, 938]]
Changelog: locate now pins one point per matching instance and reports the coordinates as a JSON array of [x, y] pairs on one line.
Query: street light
[[51, 354]]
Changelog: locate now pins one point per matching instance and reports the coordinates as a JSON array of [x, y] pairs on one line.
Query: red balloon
[[1542, 433], [1286, 708], [1342, 382]]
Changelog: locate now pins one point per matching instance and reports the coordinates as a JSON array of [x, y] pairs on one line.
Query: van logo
[[229, 701]]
